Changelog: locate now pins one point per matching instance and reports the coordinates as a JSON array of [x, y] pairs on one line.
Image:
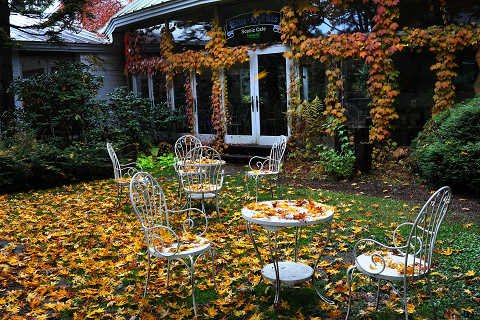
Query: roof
[[138, 5], [143, 10], [80, 36]]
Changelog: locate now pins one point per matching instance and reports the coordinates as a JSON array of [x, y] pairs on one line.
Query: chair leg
[[429, 285], [180, 191], [256, 189], [192, 281], [350, 273], [119, 194], [148, 275], [377, 298], [168, 272], [212, 254], [247, 194], [405, 297], [218, 208]]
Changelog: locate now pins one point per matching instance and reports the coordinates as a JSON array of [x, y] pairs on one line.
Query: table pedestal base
[[291, 273]]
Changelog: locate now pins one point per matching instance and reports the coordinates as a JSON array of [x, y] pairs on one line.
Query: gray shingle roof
[[81, 36]]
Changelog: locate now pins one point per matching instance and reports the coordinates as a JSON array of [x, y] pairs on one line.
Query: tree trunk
[[6, 74]]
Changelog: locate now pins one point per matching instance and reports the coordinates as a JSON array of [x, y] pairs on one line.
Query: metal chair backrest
[[117, 170], [276, 154], [204, 167], [148, 201], [184, 144], [423, 235], [162, 229]]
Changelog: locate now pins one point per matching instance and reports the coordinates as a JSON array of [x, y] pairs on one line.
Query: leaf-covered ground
[[69, 252]]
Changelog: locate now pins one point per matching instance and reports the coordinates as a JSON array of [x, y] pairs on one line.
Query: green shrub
[[56, 105], [447, 151], [59, 134], [127, 119], [162, 165], [339, 164], [40, 164]]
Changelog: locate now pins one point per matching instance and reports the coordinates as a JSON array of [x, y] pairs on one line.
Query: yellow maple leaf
[[211, 311], [470, 273], [256, 316], [446, 252]]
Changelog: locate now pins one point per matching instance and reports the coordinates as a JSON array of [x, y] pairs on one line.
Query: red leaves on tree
[[98, 12]]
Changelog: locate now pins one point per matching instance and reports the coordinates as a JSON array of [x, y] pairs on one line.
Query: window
[[204, 110], [179, 100], [314, 81], [355, 73], [159, 83]]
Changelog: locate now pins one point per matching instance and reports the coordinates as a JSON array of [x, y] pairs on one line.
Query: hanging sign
[[253, 28]]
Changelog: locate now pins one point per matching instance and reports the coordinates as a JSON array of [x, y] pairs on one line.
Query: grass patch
[[77, 233]]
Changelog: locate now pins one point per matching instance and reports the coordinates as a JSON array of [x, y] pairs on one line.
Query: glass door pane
[[204, 109], [239, 96], [272, 91]]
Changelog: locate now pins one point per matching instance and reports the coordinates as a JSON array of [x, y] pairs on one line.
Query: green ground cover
[[68, 253]]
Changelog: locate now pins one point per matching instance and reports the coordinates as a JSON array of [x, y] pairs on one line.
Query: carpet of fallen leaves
[[69, 252]]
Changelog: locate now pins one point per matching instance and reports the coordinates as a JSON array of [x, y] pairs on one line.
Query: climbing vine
[[375, 48], [189, 102], [444, 42], [334, 110]]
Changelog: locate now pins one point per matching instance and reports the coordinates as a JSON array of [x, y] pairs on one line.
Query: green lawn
[[69, 253]]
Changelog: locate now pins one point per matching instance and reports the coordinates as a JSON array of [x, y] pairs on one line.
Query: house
[[34, 54], [259, 87]]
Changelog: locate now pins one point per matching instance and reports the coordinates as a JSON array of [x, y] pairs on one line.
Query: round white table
[[288, 273]]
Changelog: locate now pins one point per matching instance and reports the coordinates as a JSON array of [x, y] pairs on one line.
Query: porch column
[[17, 74]]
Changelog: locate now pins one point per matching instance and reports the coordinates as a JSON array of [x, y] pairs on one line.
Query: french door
[[258, 97]]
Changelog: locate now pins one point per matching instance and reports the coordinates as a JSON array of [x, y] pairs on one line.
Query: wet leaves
[[69, 253]]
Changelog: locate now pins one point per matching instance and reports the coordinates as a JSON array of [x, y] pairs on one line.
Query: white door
[[258, 97]]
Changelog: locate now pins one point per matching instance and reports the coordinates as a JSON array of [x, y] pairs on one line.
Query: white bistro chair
[[201, 175], [268, 167], [171, 235], [406, 260], [182, 147], [121, 173]]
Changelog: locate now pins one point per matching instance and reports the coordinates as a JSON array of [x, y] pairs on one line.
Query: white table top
[[288, 221], [201, 163]]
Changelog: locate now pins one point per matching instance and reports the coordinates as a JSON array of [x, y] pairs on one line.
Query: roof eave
[[37, 46], [151, 13]]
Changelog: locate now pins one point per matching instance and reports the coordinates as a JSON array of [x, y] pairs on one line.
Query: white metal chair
[[182, 146], [402, 263], [267, 166], [122, 173], [201, 175], [169, 234]]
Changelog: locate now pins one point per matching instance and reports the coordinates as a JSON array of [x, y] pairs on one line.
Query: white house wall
[[110, 68]]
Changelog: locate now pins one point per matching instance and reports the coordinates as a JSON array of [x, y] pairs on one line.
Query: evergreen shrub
[[447, 150]]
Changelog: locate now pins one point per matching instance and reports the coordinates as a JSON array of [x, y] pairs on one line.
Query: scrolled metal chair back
[[148, 202], [276, 154], [423, 234], [117, 171], [184, 144], [200, 172]]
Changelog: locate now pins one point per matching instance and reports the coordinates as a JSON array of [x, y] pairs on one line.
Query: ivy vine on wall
[[376, 48]]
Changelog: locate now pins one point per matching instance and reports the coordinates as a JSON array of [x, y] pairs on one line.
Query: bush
[[60, 133], [42, 165], [162, 165], [56, 105], [447, 151], [127, 119], [339, 164]]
